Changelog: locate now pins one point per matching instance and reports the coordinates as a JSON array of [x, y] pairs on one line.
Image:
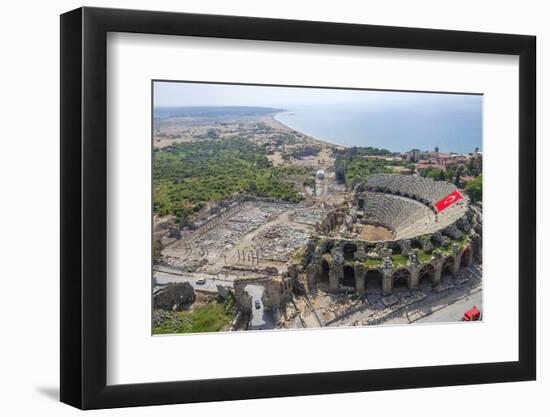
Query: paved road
[[164, 278], [454, 311]]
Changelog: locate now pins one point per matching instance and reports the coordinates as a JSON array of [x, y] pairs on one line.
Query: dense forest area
[[187, 175]]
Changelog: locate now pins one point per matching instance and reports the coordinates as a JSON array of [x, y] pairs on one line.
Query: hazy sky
[[180, 94]]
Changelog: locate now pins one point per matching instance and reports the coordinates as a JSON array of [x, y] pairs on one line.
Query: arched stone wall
[[457, 259], [427, 271], [324, 273], [401, 274], [448, 267], [334, 276], [349, 249], [375, 276], [344, 273], [467, 257], [348, 277], [327, 246]]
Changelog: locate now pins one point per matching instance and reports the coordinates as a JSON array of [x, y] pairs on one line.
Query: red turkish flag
[[448, 200]]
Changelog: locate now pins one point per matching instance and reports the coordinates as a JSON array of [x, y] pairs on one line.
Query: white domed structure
[[320, 175]]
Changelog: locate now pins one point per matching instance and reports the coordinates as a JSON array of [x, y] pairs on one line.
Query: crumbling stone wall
[[332, 221], [175, 296], [277, 291], [337, 262]]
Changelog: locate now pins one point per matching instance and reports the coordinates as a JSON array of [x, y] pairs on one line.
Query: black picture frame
[[84, 207]]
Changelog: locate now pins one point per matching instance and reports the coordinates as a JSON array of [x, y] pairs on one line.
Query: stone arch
[[396, 248], [464, 261], [349, 249], [373, 281], [328, 246], [426, 274], [447, 268], [401, 277], [348, 278], [324, 272]]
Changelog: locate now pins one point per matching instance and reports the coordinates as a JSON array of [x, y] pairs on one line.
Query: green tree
[[433, 173], [474, 188]]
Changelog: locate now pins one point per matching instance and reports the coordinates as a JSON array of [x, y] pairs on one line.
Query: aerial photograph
[[290, 208]]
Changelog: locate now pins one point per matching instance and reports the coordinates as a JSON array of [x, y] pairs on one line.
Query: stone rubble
[[278, 242]]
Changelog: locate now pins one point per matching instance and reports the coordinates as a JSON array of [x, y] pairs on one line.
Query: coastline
[[276, 123], [281, 124], [343, 131]]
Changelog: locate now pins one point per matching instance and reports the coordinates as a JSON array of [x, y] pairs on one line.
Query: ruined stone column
[[437, 262], [386, 282], [470, 257], [336, 268], [405, 246], [387, 276], [413, 282], [360, 255], [311, 276], [457, 252], [414, 268], [360, 279], [437, 273], [475, 246], [335, 275]]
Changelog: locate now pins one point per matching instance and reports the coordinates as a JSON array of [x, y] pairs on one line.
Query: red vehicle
[[472, 314]]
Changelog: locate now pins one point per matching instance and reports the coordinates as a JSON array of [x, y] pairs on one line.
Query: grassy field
[[373, 263], [213, 317]]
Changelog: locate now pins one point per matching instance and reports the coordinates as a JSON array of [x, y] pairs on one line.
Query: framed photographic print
[[258, 207]]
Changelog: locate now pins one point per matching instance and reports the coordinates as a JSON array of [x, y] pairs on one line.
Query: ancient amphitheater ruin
[[420, 246], [381, 246]]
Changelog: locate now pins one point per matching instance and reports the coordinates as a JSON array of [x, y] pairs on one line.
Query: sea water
[[453, 123]]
